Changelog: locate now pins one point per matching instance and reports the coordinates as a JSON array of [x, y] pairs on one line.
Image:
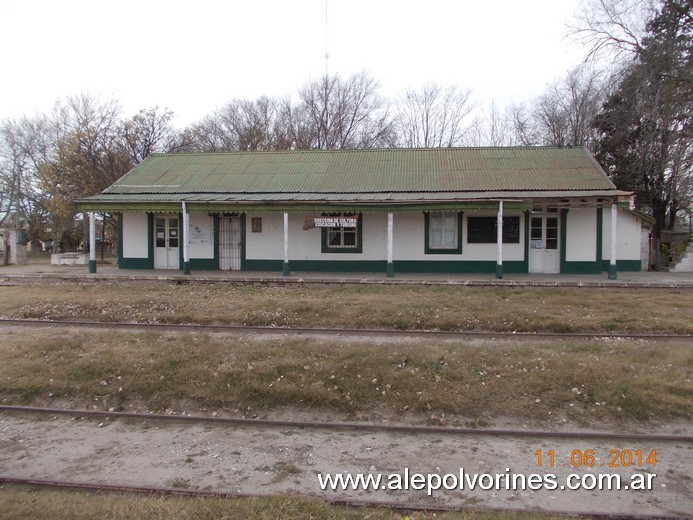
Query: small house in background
[[13, 246], [442, 210]]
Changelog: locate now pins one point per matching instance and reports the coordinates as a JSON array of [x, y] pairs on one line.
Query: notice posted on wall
[[200, 235]]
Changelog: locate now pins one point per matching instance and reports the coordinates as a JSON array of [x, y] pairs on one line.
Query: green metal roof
[[370, 176]]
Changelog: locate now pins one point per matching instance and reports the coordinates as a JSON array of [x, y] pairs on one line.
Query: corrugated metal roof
[[352, 174], [447, 196]]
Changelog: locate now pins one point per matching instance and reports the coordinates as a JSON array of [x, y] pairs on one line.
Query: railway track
[[345, 426], [111, 484], [393, 506], [437, 334]]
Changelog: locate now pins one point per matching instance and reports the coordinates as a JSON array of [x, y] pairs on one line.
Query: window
[[343, 239], [443, 232], [166, 229], [256, 224], [484, 230], [160, 232]]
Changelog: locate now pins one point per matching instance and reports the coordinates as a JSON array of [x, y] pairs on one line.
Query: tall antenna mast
[[327, 56]]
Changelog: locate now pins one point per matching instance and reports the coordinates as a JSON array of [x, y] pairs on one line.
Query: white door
[[544, 250], [230, 244], [166, 242]]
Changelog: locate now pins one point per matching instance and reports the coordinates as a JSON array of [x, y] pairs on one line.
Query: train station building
[[443, 210]]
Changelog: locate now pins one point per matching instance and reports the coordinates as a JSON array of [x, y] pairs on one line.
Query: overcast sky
[[193, 56]]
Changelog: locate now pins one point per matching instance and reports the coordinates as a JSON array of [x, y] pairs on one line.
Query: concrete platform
[[110, 272]]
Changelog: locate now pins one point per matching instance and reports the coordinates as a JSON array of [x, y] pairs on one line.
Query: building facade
[[448, 210]]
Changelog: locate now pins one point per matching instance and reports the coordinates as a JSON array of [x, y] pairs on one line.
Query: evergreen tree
[[645, 125]]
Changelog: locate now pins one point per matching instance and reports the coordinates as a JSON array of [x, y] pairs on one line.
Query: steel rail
[[296, 279], [440, 334], [354, 503], [351, 426]]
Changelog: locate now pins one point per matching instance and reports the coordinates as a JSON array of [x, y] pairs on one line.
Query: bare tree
[[151, 131], [88, 156], [645, 125], [244, 125], [345, 113], [523, 130], [491, 128], [434, 116], [563, 115], [25, 144], [295, 127], [612, 28]]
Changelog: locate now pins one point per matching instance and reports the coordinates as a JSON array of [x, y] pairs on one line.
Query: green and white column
[[92, 242], [285, 267], [390, 247], [186, 231], [499, 241], [612, 260]]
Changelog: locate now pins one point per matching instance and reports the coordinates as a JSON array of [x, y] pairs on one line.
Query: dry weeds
[[588, 382], [87, 506], [390, 307]]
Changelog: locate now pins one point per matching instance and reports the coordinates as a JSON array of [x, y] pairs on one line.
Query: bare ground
[[288, 460]]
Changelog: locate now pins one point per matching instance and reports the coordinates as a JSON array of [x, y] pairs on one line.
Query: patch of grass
[[22, 505], [591, 381], [384, 306]]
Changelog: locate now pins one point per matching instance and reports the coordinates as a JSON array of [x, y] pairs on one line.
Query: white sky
[[193, 56]]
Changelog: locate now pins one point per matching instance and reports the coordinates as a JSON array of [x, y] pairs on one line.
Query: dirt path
[[288, 460]]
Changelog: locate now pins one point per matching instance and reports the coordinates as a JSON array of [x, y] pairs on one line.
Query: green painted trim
[[456, 266], [150, 239], [639, 214], [204, 264], [118, 207], [624, 265], [182, 235], [135, 263], [375, 266], [612, 272], [390, 270], [262, 265], [600, 234], [499, 271], [286, 271], [92, 266], [243, 238], [563, 233], [325, 247], [215, 235], [120, 237], [526, 260], [434, 251], [186, 267], [320, 266], [173, 207], [578, 267]]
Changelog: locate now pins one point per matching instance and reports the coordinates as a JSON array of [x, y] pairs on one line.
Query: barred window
[[484, 230]]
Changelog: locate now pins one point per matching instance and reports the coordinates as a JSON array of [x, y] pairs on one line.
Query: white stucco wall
[[490, 251], [409, 232], [307, 244], [201, 229], [645, 247], [408, 236], [581, 230], [135, 235], [628, 236]]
